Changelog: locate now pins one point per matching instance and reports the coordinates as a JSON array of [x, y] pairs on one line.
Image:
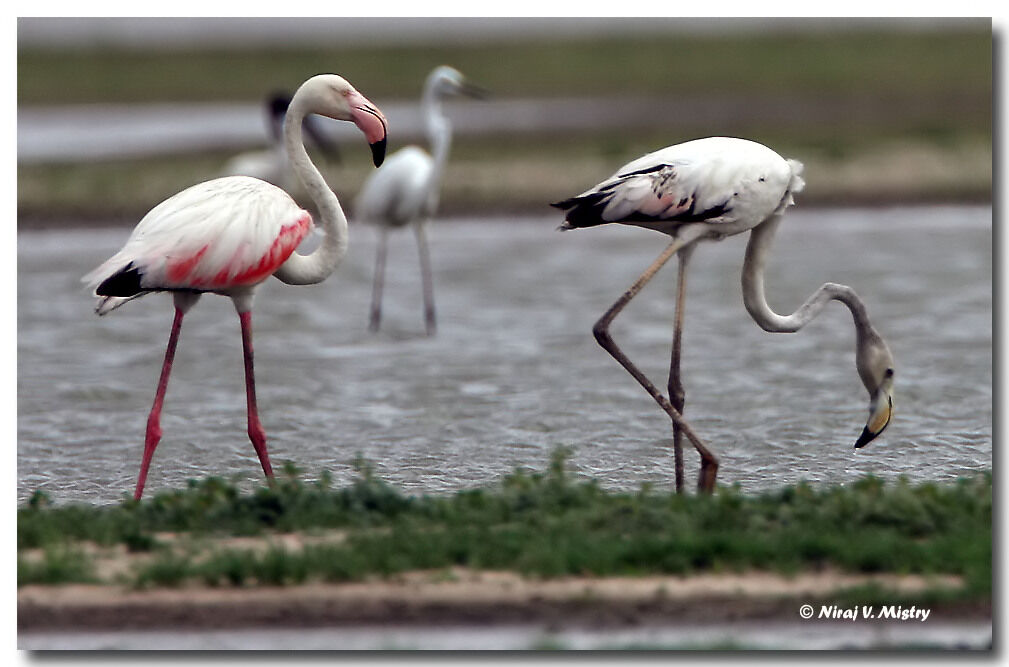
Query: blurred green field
[[919, 127], [871, 63]]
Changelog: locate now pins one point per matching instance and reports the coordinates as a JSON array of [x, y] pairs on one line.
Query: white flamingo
[[708, 189], [406, 189], [271, 164], [230, 234]]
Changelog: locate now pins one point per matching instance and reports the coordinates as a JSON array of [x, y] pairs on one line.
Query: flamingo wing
[[398, 192], [223, 234], [714, 180]]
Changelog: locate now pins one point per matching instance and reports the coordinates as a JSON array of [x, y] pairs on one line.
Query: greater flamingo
[[708, 189], [272, 164], [230, 234], [405, 191]]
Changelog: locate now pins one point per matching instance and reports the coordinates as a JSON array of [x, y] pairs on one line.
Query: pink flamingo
[[230, 234]]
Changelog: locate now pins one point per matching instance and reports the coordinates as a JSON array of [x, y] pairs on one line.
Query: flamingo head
[[332, 96], [445, 81], [875, 367]]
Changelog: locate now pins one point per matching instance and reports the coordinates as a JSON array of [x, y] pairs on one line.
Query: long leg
[[709, 464], [676, 393], [376, 288], [425, 277], [256, 433], [153, 435]]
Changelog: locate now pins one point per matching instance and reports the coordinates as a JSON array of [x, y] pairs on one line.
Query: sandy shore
[[463, 596]]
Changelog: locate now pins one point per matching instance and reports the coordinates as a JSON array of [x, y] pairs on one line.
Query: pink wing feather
[[222, 234]]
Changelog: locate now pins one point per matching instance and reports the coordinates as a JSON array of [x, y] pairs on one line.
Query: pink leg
[[256, 433], [154, 419]]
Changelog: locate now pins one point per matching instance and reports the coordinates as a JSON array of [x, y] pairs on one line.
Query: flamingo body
[[218, 236], [400, 192], [730, 184]]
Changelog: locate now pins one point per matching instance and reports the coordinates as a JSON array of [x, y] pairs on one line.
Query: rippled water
[[514, 370]]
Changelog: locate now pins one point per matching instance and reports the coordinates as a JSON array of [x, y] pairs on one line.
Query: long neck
[[757, 250], [439, 133], [316, 267]]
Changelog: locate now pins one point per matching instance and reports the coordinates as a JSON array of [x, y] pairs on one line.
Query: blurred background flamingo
[[406, 189]]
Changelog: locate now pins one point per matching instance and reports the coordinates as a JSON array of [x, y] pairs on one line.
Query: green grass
[[541, 524], [60, 564]]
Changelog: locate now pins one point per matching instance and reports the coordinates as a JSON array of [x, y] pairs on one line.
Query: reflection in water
[[514, 370]]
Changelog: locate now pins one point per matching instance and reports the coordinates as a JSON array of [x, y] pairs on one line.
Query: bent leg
[[709, 464]]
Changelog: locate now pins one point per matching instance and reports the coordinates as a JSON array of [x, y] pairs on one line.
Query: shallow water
[[514, 370]]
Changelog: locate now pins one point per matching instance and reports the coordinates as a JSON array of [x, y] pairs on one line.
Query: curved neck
[[757, 250], [316, 267]]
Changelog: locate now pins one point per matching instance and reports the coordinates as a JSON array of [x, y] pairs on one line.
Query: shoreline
[[478, 598]]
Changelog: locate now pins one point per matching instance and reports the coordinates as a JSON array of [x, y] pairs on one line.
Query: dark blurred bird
[[272, 164]]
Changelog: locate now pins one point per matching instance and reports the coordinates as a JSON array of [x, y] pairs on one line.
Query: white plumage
[[730, 184], [401, 191], [406, 189]]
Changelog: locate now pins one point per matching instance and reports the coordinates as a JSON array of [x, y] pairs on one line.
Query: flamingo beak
[[880, 411], [378, 152], [372, 122], [471, 90]]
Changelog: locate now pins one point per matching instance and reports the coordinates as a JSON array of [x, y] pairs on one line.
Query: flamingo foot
[[706, 478]]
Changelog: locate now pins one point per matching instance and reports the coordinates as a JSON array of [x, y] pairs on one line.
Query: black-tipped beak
[[880, 411], [866, 437], [378, 152]]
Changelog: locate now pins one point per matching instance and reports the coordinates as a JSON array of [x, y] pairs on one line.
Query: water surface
[[514, 370]]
